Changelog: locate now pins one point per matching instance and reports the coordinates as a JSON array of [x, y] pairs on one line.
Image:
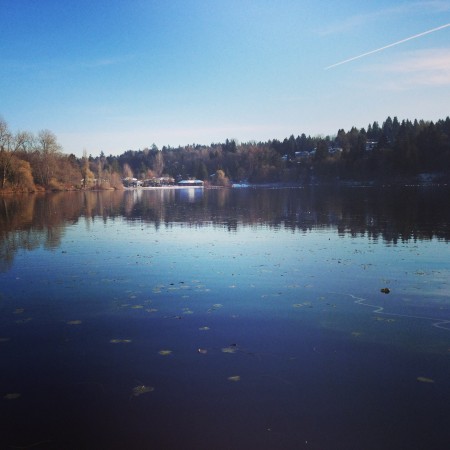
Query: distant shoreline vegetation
[[391, 152]]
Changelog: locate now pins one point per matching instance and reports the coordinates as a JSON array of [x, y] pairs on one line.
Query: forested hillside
[[392, 150]]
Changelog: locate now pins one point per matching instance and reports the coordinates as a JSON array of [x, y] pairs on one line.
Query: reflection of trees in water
[[390, 214], [30, 221], [16, 216]]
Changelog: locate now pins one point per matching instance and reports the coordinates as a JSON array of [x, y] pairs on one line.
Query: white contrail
[[388, 46]]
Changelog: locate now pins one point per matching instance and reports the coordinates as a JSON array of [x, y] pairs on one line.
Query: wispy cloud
[[388, 46], [422, 68], [361, 20]]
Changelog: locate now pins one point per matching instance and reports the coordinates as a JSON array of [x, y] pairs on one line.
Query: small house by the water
[[191, 183]]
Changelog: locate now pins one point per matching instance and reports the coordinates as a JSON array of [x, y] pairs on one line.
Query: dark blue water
[[225, 319]]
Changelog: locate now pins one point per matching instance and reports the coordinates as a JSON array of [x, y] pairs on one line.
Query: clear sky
[[113, 75]]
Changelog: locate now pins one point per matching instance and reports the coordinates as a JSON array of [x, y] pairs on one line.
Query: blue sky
[[116, 75]]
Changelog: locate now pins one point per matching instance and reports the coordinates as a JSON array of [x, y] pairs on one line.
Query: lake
[[251, 318]]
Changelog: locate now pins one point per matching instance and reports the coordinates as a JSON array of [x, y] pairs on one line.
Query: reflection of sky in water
[[258, 337], [249, 268]]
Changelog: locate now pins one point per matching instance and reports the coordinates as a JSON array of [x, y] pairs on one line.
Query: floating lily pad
[[142, 389], [234, 378], [165, 352]]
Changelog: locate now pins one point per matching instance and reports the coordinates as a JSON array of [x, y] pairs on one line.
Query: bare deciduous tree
[[45, 156], [10, 146]]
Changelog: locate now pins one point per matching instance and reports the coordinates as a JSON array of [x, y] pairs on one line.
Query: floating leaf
[[12, 396], [384, 319], [234, 378], [74, 322], [229, 350], [215, 306], [139, 390], [165, 352], [28, 319], [425, 380]]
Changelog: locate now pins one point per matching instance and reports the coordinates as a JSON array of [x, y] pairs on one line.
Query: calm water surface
[[226, 319]]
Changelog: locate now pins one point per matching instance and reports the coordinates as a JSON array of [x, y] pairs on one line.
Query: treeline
[[30, 162], [391, 150]]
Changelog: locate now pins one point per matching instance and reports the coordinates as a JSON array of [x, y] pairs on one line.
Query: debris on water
[[202, 351], [165, 352], [12, 396], [229, 349], [204, 328], [120, 341], [234, 378], [74, 322], [142, 389], [383, 319], [425, 380], [385, 290], [28, 319], [214, 307]]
